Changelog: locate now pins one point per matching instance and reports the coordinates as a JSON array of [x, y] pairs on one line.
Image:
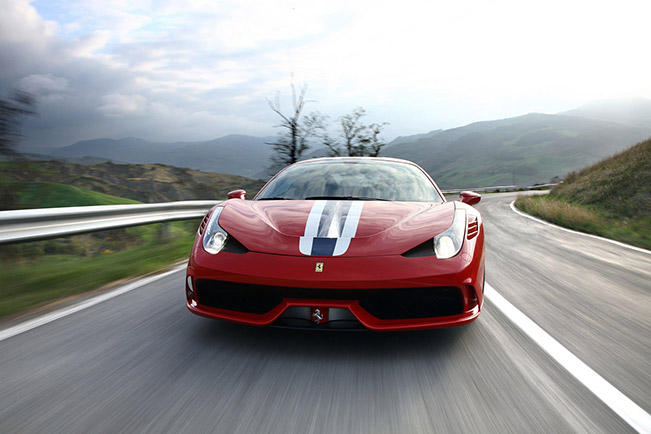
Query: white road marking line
[[618, 243], [42, 320], [629, 411]]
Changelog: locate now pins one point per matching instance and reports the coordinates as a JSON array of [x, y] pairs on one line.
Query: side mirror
[[237, 194], [469, 197]]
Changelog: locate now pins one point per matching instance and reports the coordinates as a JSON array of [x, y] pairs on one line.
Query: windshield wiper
[[273, 198], [342, 198]]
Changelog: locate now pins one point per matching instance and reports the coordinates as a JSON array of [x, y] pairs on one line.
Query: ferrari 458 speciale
[[348, 243]]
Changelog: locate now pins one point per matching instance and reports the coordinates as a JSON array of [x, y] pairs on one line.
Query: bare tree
[[12, 111], [352, 131], [358, 139], [375, 143], [293, 141]]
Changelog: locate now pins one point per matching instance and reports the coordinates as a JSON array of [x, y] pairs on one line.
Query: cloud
[[89, 45], [119, 106], [154, 84], [43, 85], [199, 69]]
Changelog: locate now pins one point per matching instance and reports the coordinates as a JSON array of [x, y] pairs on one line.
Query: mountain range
[[233, 154], [523, 150]]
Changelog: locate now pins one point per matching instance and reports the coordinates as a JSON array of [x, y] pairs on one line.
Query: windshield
[[352, 180]]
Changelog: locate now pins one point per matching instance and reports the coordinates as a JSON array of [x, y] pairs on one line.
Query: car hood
[[334, 227]]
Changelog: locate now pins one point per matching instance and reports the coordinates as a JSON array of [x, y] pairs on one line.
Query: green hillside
[[620, 184], [36, 274], [611, 198], [51, 195], [38, 184]]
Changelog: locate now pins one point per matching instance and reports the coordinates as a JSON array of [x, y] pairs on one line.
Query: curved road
[[140, 362]]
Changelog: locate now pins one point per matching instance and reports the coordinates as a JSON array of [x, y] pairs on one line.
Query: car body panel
[[375, 269], [384, 228]]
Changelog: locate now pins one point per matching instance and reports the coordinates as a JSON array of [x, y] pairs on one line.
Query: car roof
[[325, 159]]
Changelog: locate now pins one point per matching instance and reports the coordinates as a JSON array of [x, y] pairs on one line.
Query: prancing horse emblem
[[319, 267], [317, 316]]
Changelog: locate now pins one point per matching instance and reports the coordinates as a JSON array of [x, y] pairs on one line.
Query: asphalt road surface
[[140, 362]]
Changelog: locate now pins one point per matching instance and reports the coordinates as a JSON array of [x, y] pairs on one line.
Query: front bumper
[[367, 288]]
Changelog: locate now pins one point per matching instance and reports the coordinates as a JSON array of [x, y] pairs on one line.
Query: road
[[140, 362]]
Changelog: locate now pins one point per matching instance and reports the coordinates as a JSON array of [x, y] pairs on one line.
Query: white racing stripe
[[314, 218], [42, 320], [629, 411], [352, 220], [350, 228], [324, 234], [311, 227]]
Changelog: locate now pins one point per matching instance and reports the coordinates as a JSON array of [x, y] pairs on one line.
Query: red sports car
[[341, 243]]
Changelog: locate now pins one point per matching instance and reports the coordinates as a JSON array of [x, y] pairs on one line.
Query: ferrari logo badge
[[317, 316], [319, 267]]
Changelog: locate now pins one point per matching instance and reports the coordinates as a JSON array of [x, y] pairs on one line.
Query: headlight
[[448, 243], [214, 239]]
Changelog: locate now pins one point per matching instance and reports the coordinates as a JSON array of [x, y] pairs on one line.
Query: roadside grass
[[36, 274], [588, 218], [611, 198], [32, 280]]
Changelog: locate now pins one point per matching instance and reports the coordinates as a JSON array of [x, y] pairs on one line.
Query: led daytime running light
[[448, 243], [214, 239]]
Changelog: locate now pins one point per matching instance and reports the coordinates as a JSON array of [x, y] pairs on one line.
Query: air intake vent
[[473, 227], [204, 222], [421, 250], [238, 297], [234, 246], [414, 303]]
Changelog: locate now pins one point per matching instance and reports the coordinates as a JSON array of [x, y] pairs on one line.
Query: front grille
[[387, 304]]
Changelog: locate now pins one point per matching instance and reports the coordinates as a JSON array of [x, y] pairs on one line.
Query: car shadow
[[325, 344]]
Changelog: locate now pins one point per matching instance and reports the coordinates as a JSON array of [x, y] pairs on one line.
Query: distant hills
[[234, 154], [632, 112], [38, 184], [523, 150]]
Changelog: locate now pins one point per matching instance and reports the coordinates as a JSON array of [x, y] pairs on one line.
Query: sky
[[193, 70]]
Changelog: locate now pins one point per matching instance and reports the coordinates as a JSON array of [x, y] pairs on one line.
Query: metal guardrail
[[36, 224], [500, 188]]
